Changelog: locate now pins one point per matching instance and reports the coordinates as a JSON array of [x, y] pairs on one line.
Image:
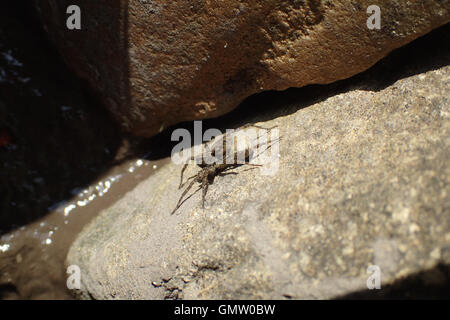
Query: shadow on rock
[[427, 53], [429, 284]]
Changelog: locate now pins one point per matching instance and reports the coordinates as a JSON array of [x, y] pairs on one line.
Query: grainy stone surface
[[156, 63], [363, 179]]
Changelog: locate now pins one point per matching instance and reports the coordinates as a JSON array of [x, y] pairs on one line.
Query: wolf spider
[[211, 169]]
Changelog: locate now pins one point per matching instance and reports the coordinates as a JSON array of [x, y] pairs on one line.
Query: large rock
[[363, 180], [155, 63]]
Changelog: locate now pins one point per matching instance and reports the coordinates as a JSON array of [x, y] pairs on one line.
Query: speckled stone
[[156, 63], [363, 180]]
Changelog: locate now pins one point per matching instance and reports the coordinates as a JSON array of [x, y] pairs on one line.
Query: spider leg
[[181, 185], [186, 199], [268, 143], [205, 185], [227, 173], [180, 201], [253, 166], [182, 172], [256, 126], [268, 146]]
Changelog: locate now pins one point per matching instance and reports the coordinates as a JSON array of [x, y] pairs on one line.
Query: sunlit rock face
[[155, 63], [362, 185]]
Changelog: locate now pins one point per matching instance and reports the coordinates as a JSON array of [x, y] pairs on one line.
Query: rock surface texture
[[363, 180], [155, 63]]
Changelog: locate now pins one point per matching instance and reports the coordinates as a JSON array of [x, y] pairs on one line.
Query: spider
[[211, 166]]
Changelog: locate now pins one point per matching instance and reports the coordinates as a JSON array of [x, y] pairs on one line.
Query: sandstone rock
[[363, 180], [156, 63]]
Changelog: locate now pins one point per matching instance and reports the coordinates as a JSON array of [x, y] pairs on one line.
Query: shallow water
[[32, 257]]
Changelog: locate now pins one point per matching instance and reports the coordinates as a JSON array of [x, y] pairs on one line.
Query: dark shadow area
[[429, 284], [8, 290], [54, 136], [427, 53]]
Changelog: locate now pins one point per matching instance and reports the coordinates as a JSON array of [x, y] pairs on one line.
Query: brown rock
[[156, 63]]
